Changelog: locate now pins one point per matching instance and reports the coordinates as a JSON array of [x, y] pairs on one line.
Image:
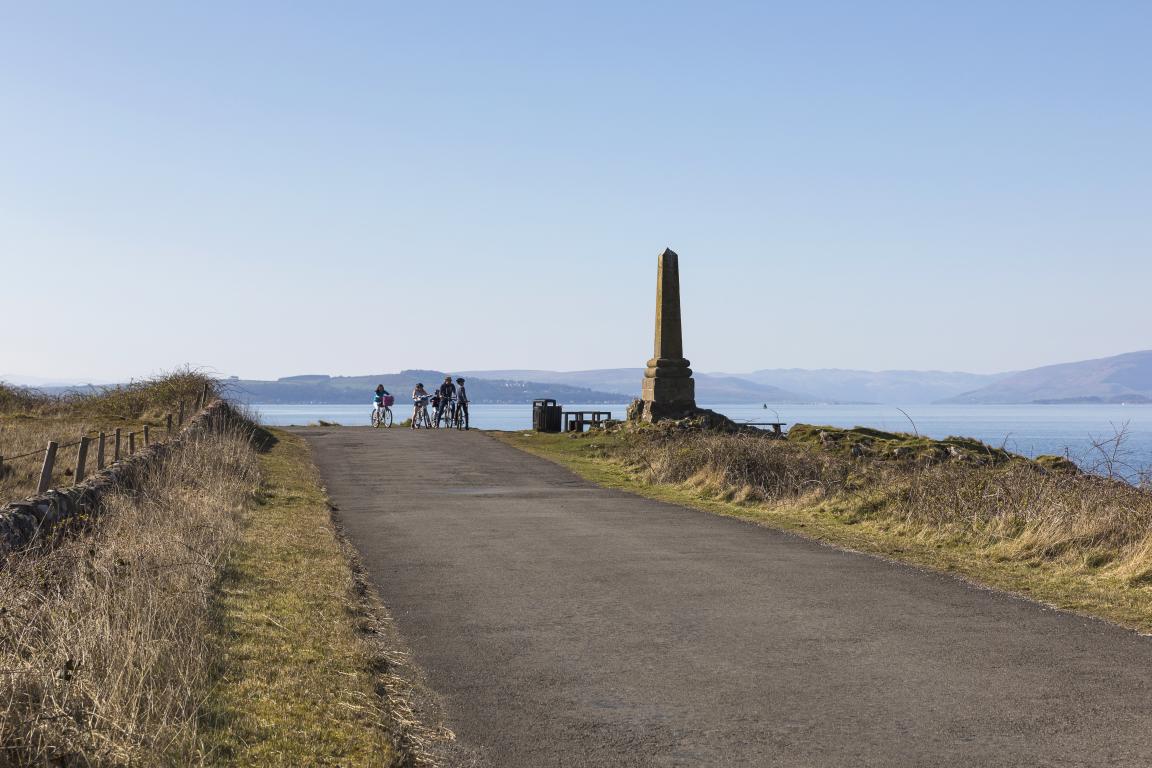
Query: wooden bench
[[575, 421]]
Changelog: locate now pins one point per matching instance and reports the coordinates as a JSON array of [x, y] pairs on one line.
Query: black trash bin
[[546, 416]]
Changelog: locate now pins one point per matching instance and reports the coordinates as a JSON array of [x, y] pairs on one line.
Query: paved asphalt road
[[567, 625]]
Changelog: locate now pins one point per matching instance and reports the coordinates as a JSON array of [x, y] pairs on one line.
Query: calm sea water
[[1030, 430]]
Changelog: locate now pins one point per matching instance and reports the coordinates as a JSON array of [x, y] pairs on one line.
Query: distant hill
[[719, 388], [710, 388], [1120, 379], [834, 385], [358, 389], [621, 381], [781, 385]]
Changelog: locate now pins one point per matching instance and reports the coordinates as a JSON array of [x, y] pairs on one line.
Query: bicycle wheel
[[375, 418], [386, 420]]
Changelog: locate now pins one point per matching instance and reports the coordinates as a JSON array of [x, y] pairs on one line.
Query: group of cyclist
[[449, 404]]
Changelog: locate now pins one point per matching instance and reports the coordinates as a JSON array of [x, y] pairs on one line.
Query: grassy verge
[[1033, 541], [298, 676]]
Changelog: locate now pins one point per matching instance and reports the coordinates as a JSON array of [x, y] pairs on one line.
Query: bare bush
[[151, 397], [1112, 456], [23, 399], [103, 655], [754, 466]]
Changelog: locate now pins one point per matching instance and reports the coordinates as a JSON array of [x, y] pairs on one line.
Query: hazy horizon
[[21, 379], [264, 190]]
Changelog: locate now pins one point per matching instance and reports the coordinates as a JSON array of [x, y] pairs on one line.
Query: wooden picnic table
[[575, 421]]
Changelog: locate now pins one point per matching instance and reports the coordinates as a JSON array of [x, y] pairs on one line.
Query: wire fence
[[110, 445]]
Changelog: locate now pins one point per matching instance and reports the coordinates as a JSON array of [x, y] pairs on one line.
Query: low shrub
[[755, 465]]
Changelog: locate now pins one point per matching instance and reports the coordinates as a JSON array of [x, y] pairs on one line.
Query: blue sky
[[268, 189]]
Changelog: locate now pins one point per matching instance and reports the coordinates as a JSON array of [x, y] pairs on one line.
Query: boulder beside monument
[[669, 392]]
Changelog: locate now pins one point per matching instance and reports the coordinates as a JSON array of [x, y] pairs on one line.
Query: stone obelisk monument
[[669, 391]]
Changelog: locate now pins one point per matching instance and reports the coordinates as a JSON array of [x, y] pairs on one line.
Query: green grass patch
[[871, 519], [899, 446], [297, 674]]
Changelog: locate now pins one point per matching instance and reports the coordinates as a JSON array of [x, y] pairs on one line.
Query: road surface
[[563, 624]]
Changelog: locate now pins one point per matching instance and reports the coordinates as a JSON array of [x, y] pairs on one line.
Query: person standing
[[447, 394], [462, 403]]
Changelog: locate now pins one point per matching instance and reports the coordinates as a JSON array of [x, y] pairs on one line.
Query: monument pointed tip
[[668, 252]]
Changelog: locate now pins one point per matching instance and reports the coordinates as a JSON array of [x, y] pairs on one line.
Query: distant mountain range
[[358, 389], [1120, 379], [710, 388], [836, 385], [779, 386]]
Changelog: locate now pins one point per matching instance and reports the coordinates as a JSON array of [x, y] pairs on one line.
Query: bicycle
[[382, 411], [420, 417], [454, 419], [447, 413], [381, 417]]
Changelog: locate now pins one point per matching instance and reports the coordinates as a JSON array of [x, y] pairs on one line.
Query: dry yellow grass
[[104, 652]]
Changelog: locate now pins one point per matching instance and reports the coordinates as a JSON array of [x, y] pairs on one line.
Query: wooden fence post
[[46, 470], [82, 459], [100, 452], [168, 427], [116, 454], [204, 396], [180, 420], [131, 443], [147, 436]]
